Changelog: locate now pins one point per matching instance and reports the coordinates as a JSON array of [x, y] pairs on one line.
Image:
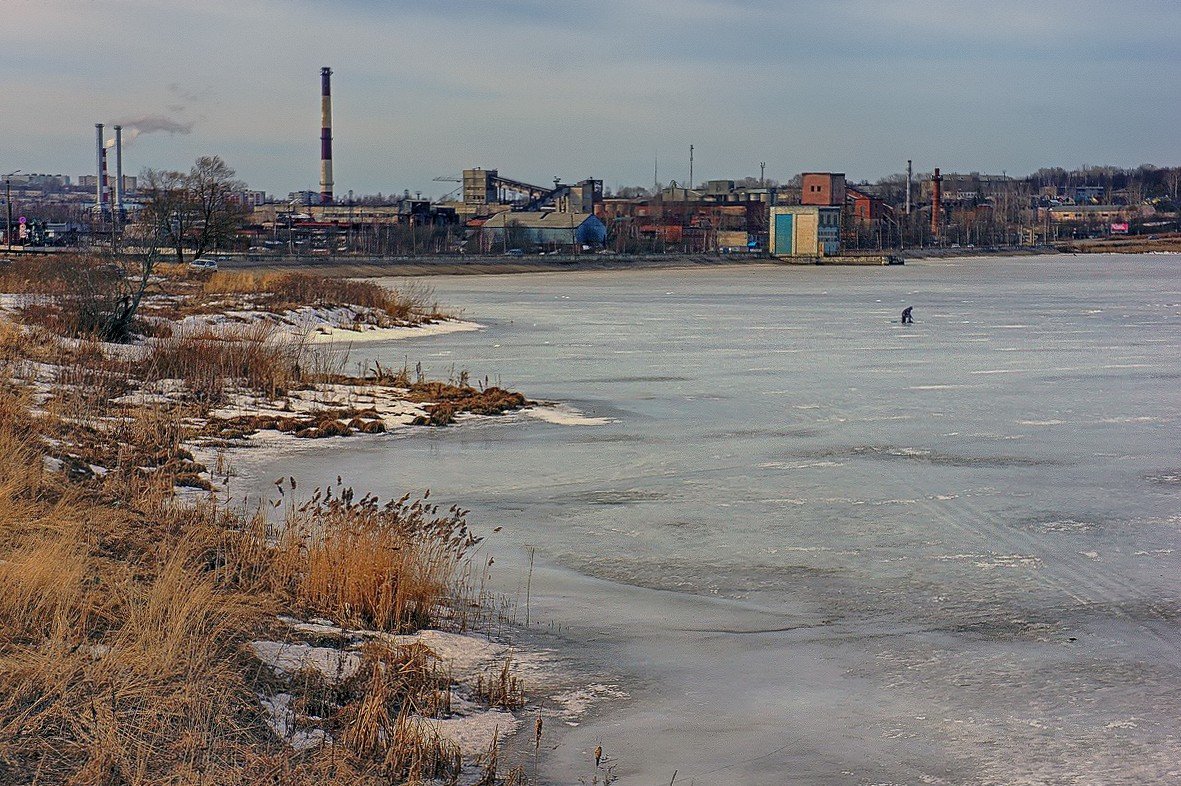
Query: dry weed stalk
[[368, 564], [501, 688]]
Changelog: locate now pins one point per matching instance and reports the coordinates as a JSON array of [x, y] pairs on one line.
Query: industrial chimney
[[98, 161], [909, 177], [326, 135], [936, 202], [118, 174]]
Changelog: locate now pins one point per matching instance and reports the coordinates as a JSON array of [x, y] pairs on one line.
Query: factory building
[[865, 207], [547, 230], [822, 188], [806, 230], [486, 191], [958, 188]]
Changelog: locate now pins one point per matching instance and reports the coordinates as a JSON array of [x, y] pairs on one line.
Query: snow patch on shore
[[467, 657], [324, 333], [286, 659], [474, 733], [565, 415], [324, 324], [282, 720]]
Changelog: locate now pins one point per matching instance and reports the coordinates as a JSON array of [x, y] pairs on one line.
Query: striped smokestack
[[118, 173], [326, 135], [99, 160]]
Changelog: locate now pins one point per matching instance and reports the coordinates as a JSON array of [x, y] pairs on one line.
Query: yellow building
[[805, 231]]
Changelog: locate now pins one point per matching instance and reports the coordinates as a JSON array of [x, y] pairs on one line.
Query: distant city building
[[1088, 195], [863, 206], [486, 191], [1094, 213], [805, 230], [252, 198], [88, 182], [822, 188], [47, 183], [970, 187], [306, 198], [544, 229]]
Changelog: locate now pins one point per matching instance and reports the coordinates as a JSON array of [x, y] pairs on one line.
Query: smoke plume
[[151, 124]]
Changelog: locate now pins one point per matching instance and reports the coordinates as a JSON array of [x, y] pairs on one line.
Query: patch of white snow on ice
[[563, 415]]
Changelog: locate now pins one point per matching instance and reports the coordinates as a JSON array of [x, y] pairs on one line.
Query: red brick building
[[822, 188], [864, 207]]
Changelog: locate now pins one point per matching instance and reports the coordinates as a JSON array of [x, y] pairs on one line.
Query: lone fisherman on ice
[[907, 319]]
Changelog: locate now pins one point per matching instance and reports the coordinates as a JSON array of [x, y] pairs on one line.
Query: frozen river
[[818, 546]]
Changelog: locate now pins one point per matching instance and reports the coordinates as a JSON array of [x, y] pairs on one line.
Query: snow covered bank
[[469, 659]]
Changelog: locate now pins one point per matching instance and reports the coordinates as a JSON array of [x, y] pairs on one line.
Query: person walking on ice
[[907, 319]]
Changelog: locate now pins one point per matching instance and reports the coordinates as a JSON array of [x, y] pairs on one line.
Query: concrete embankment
[[845, 259], [470, 265]]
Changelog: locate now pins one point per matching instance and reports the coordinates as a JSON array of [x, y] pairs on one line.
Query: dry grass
[[56, 274], [258, 357], [367, 564], [448, 400], [117, 649], [125, 617], [412, 303], [501, 688]]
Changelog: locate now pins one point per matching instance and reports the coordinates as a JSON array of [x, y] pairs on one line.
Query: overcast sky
[[549, 88]]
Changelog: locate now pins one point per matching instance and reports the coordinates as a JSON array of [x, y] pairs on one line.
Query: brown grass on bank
[[117, 651], [258, 357], [124, 620], [448, 400], [367, 564], [410, 303], [56, 274], [73, 295]]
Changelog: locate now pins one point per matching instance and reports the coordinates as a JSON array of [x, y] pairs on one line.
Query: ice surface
[[813, 543]]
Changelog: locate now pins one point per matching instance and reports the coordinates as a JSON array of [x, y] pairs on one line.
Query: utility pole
[[762, 174], [655, 174], [690, 168]]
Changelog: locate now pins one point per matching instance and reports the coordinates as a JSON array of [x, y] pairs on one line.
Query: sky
[[558, 88]]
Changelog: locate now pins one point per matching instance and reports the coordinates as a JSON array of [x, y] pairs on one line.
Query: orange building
[[822, 188]]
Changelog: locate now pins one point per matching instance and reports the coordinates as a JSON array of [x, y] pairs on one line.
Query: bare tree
[[213, 189], [198, 209], [167, 217], [1173, 179]]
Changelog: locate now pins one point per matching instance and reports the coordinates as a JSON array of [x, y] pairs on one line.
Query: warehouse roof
[[548, 220]]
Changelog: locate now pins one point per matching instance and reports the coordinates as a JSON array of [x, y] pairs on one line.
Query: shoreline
[[555, 684], [195, 383], [455, 265]]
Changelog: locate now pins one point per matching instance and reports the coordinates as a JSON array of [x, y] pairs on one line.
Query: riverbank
[[354, 266], [1164, 243], [374, 267], [319, 638], [456, 265]]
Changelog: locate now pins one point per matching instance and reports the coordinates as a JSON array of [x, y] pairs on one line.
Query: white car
[[203, 263]]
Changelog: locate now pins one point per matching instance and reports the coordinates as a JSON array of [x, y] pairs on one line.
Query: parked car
[[514, 252], [204, 263]]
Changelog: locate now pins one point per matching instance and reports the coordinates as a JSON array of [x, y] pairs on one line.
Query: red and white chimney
[[326, 135]]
